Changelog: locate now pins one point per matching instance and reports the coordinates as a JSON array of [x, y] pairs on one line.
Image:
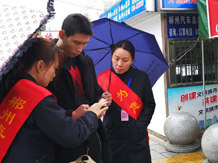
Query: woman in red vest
[[132, 108], [30, 119]]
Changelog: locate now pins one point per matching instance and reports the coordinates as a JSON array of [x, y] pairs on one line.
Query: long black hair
[[39, 49], [127, 45]]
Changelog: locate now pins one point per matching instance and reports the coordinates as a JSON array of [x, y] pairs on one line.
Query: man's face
[[73, 45]]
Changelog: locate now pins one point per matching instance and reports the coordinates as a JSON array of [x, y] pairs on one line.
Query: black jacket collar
[[130, 74], [25, 75]]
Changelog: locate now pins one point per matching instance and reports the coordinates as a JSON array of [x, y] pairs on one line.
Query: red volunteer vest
[[16, 108], [121, 93]]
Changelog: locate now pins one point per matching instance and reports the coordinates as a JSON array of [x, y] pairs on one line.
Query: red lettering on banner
[[8, 115], [122, 94], [187, 1], [179, 1], [171, 1], [213, 99], [207, 100], [2, 128], [17, 102], [134, 106], [184, 97], [192, 95]]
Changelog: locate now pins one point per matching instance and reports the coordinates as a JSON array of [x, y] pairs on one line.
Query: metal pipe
[[203, 78]]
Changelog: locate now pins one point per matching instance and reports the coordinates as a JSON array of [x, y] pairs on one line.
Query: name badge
[[124, 115]]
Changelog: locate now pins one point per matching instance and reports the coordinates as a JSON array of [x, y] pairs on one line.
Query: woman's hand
[[107, 96], [99, 108]]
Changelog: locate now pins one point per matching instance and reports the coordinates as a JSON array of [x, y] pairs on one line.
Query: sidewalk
[[160, 155]]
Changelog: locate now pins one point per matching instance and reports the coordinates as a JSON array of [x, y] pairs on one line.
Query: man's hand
[[80, 111], [108, 97]]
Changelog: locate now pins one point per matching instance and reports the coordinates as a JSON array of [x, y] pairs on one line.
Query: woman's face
[[48, 73], [121, 60]]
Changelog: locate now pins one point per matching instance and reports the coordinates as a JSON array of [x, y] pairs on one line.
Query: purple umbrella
[[148, 56]]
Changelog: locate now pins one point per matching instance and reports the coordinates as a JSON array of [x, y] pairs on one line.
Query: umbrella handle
[[109, 78]]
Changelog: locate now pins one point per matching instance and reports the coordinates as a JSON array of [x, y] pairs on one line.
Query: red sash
[[16, 108], [121, 93]]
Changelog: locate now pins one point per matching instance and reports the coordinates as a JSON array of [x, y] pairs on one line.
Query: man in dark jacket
[[76, 88]]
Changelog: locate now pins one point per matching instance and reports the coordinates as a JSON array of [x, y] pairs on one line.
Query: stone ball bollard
[[182, 130], [209, 143]]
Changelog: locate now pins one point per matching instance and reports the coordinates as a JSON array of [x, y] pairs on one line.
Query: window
[[186, 66]]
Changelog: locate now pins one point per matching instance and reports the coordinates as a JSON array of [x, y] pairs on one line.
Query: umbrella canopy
[[148, 56], [17, 26]]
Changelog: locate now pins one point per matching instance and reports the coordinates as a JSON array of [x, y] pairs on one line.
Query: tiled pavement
[[160, 155]]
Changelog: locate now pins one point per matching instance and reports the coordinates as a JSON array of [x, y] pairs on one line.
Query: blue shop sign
[[178, 4], [182, 25], [125, 9]]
